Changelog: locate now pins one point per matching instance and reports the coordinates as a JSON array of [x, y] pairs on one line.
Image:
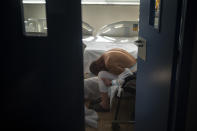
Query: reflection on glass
[[34, 18], [155, 13]]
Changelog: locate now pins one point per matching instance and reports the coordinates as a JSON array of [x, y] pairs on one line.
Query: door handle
[[139, 43]]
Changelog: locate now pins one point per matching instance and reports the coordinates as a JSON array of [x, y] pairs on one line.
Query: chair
[[84, 46], [129, 88], [87, 30], [119, 29]]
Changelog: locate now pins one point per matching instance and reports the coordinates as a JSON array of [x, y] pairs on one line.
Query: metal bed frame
[[128, 87]]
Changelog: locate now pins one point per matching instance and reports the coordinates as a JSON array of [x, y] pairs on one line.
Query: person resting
[[108, 67]]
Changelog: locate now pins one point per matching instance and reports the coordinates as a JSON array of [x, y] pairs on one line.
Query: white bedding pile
[[91, 117], [91, 92]]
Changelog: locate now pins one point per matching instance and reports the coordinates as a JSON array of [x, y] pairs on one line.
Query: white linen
[[91, 117], [91, 92], [91, 88], [96, 46], [117, 83]]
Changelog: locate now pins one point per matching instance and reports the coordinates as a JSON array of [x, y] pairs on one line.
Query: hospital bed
[[121, 34]]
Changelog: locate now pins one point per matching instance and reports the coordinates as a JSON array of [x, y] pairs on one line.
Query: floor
[[105, 119]]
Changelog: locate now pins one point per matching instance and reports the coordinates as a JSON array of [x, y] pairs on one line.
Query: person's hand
[[106, 81]]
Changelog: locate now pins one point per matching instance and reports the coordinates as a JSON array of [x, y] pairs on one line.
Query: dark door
[[156, 74], [42, 78]]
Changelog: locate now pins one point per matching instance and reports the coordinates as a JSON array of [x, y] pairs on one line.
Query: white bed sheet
[[96, 46]]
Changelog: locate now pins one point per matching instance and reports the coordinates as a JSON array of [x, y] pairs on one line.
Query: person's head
[[96, 67]]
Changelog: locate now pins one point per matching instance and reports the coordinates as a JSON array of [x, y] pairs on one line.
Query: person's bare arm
[[107, 82]]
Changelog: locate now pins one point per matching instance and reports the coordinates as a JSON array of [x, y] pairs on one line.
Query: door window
[[155, 6], [35, 21]]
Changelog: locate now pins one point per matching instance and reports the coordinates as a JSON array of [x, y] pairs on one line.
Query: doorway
[[107, 25], [157, 44], [44, 93]]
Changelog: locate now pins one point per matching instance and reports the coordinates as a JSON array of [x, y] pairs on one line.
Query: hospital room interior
[[106, 25]]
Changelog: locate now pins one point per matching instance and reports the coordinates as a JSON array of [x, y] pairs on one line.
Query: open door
[[42, 85], [159, 31]]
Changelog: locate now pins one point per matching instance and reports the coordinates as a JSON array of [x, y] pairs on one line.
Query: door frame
[[180, 94], [182, 66]]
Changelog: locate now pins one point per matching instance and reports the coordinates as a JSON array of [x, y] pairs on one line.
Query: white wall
[[100, 15]]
